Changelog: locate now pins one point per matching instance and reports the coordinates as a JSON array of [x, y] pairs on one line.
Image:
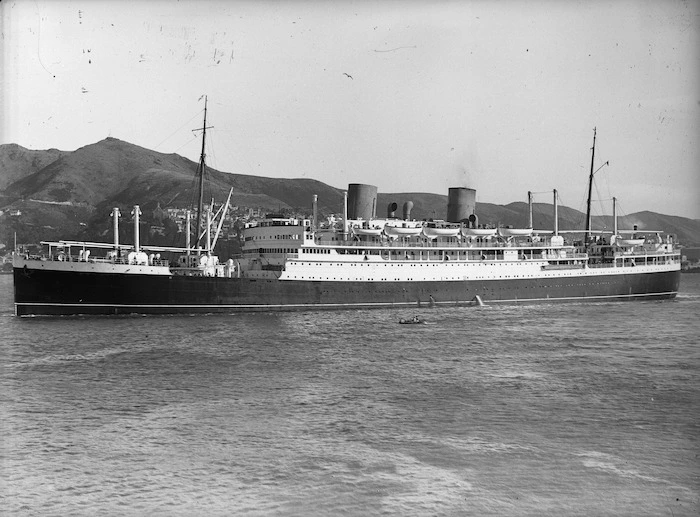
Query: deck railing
[[96, 260]]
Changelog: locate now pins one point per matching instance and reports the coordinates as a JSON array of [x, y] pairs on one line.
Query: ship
[[360, 262]]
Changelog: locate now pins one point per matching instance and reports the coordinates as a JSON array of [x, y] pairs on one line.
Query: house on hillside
[[159, 215]]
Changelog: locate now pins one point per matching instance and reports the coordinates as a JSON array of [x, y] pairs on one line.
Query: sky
[[410, 96]]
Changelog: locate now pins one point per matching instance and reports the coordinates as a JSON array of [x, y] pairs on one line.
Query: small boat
[[367, 231], [415, 320], [627, 243], [479, 232], [515, 232], [402, 231], [442, 231]]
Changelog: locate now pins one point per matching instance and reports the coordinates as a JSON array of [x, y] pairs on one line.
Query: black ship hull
[[51, 292]]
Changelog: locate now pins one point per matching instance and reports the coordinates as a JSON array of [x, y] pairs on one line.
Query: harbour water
[[578, 409]]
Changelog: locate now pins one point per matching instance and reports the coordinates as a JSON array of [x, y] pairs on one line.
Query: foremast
[[200, 178], [590, 192]]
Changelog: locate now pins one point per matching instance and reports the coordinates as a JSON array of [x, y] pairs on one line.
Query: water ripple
[[584, 409]]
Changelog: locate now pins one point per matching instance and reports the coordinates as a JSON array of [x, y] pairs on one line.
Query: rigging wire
[[580, 221], [194, 137], [178, 129], [212, 153], [621, 214], [599, 199]]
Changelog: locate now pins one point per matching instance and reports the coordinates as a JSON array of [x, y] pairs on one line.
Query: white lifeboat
[[515, 232], [367, 231], [434, 233], [402, 231], [629, 243], [479, 232]]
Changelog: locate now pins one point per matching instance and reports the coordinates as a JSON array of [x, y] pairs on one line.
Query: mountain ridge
[[63, 191]]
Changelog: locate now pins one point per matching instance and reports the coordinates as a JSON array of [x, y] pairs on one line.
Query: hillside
[[63, 194], [16, 162], [96, 172], [117, 172]]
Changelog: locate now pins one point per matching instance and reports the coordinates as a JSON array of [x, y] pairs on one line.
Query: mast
[[200, 175], [136, 212], [590, 191], [188, 232], [346, 226], [556, 214], [115, 224], [208, 232]]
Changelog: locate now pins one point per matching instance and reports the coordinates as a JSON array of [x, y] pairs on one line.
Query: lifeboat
[[400, 231], [479, 232], [434, 233], [628, 243], [367, 231], [515, 232]]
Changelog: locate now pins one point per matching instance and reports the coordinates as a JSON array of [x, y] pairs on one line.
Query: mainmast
[[590, 192], [200, 177]]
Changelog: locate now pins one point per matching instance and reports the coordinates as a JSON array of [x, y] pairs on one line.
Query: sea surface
[[543, 410]]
